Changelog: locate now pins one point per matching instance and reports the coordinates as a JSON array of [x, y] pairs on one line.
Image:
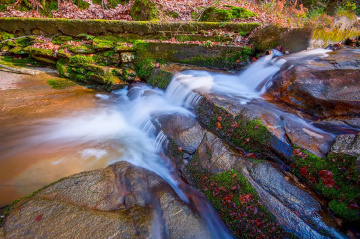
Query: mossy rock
[[59, 40], [84, 49], [213, 14], [62, 68], [17, 51], [107, 58], [102, 45], [80, 60], [122, 47], [40, 52], [160, 78], [62, 53], [144, 10]]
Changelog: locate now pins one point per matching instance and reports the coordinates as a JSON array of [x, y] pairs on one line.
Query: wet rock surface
[[293, 207], [119, 201], [324, 86]]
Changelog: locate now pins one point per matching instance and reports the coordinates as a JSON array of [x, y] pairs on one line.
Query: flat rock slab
[[120, 201]]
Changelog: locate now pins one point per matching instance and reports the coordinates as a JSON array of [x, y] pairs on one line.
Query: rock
[[295, 209], [348, 144], [127, 57], [320, 85], [120, 201], [293, 40], [284, 128], [214, 155], [185, 130]]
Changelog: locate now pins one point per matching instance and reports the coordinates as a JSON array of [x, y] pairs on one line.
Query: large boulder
[[121, 201], [324, 86]]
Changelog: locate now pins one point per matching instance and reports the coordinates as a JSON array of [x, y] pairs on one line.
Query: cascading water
[[245, 86], [120, 129]]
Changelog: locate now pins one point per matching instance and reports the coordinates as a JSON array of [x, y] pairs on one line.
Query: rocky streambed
[[215, 156]]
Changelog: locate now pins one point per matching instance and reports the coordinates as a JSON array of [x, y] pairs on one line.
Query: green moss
[[17, 51], [250, 135], [62, 68], [107, 58], [144, 67], [236, 202], [80, 60], [342, 209], [229, 59], [83, 49], [346, 188], [59, 40], [40, 52], [213, 14], [160, 78], [60, 84], [19, 61], [334, 35], [99, 44], [85, 36], [144, 10], [122, 46], [62, 53]]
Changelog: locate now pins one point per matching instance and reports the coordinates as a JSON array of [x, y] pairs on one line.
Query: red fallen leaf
[[180, 149], [296, 151], [353, 206], [312, 179], [256, 126], [329, 183], [219, 118], [205, 189], [38, 218], [235, 124], [237, 61], [218, 125], [304, 171], [233, 188], [157, 65], [234, 175], [228, 198], [325, 174], [292, 165], [250, 155], [245, 198], [247, 140]]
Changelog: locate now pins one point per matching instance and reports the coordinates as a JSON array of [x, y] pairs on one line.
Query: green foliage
[[81, 4], [346, 189], [60, 84], [144, 10]]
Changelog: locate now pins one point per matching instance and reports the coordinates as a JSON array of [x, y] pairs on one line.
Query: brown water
[[30, 157]]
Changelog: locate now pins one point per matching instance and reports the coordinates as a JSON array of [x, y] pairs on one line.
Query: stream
[[120, 128]]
